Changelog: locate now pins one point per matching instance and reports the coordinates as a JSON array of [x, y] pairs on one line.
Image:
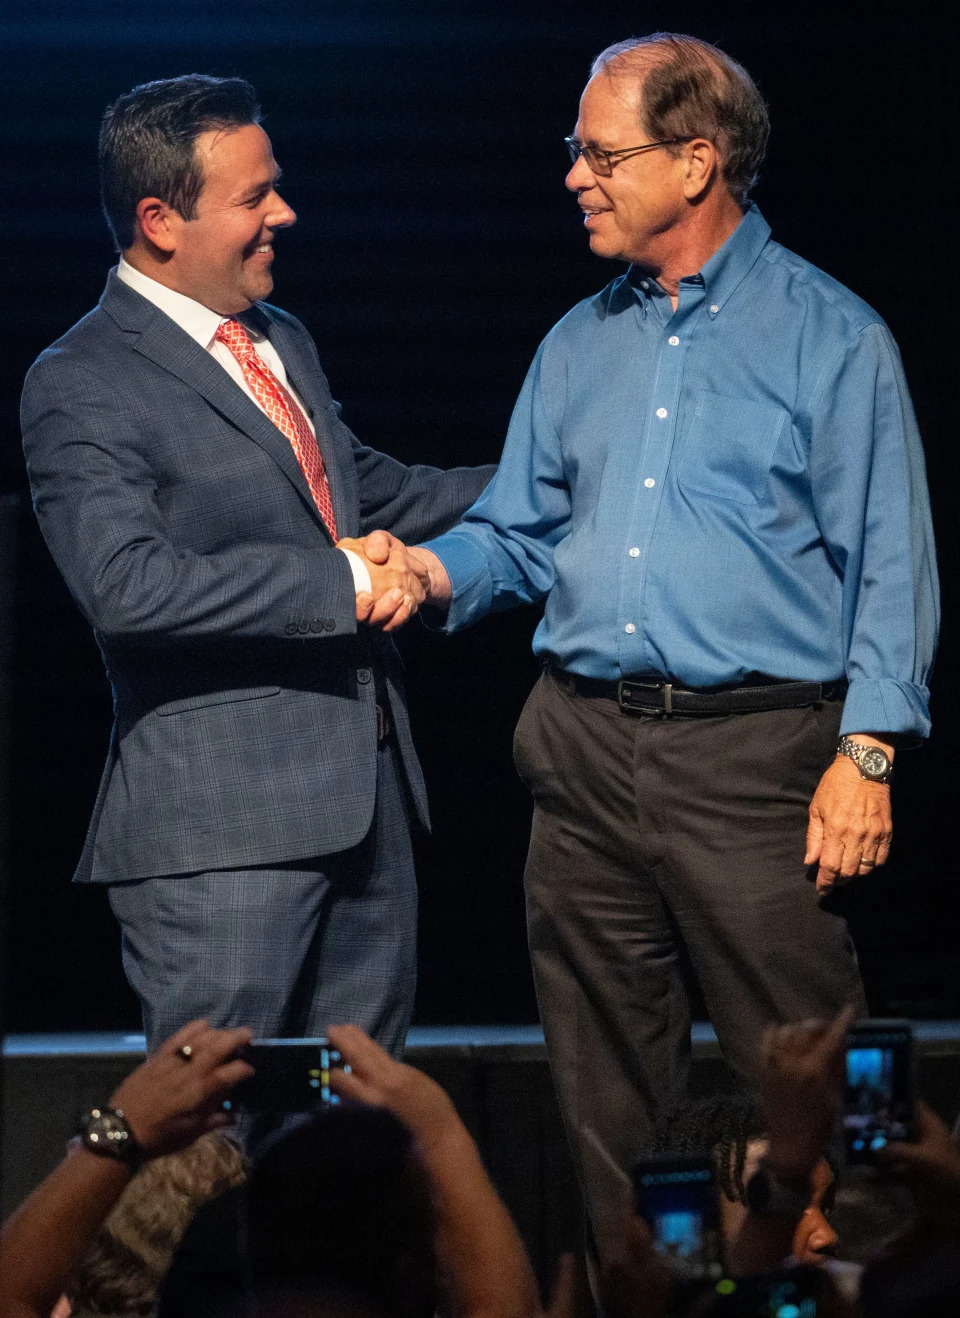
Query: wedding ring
[[869, 863]]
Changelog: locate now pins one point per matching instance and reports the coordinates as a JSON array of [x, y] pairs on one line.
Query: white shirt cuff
[[361, 574]]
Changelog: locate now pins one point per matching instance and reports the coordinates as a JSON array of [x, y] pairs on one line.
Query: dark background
[[421, 144]]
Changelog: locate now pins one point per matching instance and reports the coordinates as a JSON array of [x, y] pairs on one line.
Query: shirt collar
[[193, 317], [726, 269]]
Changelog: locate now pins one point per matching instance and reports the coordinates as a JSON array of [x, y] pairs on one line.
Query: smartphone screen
[[290, 1075], [677, 1196], [878, 1097]]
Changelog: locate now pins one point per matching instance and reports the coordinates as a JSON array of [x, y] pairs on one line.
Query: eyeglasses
[[602, 163]]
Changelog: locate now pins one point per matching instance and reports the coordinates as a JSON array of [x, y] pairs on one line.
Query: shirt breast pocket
[[729, 447]]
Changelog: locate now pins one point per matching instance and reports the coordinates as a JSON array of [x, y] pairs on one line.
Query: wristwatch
[[769, 1196], [107, 1132], [874, 764]]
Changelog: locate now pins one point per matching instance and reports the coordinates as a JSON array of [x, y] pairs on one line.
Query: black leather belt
[[652, 695]]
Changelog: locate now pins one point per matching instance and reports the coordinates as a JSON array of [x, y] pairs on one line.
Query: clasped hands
[[402, 579]]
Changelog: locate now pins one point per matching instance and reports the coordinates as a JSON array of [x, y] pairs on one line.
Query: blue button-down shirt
[[733, 488]]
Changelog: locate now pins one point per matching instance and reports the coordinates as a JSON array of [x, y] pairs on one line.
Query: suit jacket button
[[291, 629], [364, 675], [303, 628], [316, 625], [329, 624]]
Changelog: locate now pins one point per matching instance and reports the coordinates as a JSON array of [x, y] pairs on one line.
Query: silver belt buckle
[[666, 687]]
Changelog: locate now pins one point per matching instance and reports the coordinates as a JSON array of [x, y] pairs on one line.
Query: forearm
[[42, 1243], [479, 1246]]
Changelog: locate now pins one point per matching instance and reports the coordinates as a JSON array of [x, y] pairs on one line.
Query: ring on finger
[[870, 864], [185, 1052]]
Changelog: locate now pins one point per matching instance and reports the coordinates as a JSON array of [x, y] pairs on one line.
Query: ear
[[159, 223], [703, 166]]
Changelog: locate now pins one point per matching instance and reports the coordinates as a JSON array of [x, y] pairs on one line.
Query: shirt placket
[[633, 639]]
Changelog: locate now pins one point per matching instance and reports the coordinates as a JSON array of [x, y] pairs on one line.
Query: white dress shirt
[[202, 324]]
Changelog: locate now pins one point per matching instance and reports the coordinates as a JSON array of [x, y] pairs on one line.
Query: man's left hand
[[850, 823]]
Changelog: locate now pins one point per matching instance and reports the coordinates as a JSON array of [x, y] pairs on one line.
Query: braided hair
[[721, 1125]]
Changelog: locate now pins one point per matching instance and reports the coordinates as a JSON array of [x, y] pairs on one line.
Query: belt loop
[[667, 700]]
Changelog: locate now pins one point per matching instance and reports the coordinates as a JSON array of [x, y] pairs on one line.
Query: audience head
[[125, 1266], [730, 1127], [336, 1219]]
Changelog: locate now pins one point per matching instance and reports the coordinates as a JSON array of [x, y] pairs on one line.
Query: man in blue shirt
[[714, 478]]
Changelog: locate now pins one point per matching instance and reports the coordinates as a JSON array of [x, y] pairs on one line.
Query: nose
[[822, 1240], [579, 176], [280, 215]]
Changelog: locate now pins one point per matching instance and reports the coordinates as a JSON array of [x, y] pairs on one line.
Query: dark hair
[[342, 1206], [691, 89], [722, 1125], [147, 140]]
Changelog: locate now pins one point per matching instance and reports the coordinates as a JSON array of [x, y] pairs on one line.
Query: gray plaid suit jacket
[[244, 694]]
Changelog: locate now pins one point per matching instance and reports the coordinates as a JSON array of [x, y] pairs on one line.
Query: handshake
[[401, 579]]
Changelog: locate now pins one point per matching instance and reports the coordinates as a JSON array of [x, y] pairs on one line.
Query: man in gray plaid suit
[[207, 507]]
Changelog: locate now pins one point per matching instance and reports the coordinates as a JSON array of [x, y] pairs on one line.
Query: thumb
[[377, 546], [814, 837], [563, 1292]]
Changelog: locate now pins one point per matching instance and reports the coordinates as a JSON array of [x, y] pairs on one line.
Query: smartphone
[[676, 1195], [878, 1094], [787, 1293], [290, 1075]]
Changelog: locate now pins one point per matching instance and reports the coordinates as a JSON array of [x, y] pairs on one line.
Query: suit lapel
[[162, 341]]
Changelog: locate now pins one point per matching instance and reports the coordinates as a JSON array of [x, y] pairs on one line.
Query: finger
[[218, 1045], [385, 607], [186, 1034], [364, 606], [833, 1037], [883, 850], [362, 1053], [231, 1073], [349, 1085], [415, 588], [402, 616], [854, 847]]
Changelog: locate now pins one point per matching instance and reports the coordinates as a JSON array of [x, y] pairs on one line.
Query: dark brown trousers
[[653, 835]]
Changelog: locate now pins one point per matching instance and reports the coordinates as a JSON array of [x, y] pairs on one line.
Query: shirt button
[[634, 552], [661, 412], [714, 309], [364, 675], [644, 283], [630, 628], [673, 340], [649, 482]]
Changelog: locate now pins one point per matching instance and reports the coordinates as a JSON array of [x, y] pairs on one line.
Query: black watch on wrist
[[106, 1132], [770, 1196]]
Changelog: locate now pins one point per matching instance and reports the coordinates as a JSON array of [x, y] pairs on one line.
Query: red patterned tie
[[284, 413]]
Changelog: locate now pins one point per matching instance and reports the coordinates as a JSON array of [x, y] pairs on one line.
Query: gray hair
[[691, 89]]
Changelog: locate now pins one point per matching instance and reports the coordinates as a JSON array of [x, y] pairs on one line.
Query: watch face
[[106, 1132], [874, 762]]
